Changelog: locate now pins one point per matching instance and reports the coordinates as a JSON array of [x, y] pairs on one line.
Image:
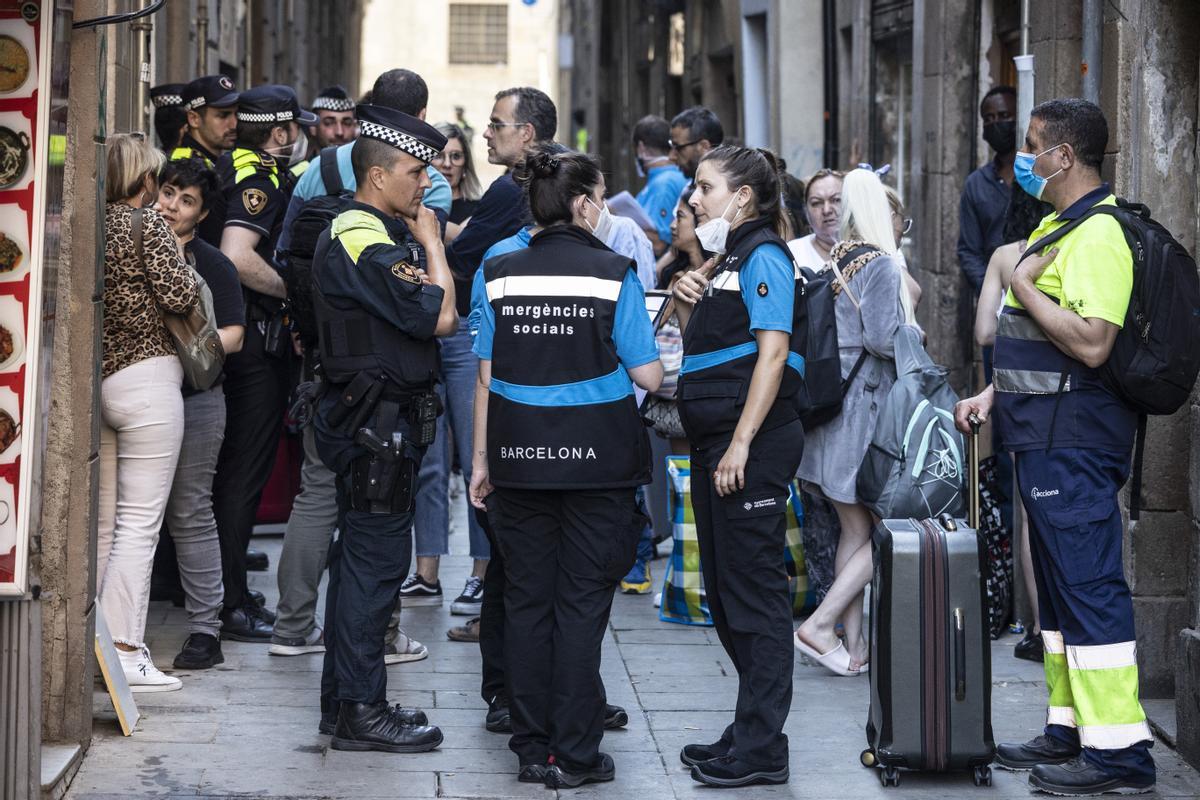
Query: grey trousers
[[189, 513]]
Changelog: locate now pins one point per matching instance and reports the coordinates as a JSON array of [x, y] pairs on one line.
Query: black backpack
[[314, 219], [1156, 356]]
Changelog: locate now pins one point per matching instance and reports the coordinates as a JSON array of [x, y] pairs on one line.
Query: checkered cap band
[[272, 116], [167, 100], [333, 104], [400, 139]]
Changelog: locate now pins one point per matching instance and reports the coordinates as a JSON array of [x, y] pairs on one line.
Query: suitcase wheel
[[983, 776], [867, 757], [889, 776]]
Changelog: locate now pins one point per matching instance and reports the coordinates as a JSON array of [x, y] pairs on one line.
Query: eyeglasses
[[457, 157], [678, 147], [906, 224], [495, 126]]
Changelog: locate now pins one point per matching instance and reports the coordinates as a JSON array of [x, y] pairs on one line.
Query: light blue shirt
[[659, 196], [768, 284], [312, 184], [627, 239]]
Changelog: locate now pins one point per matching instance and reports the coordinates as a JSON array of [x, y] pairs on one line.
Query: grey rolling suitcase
[[931, 670]]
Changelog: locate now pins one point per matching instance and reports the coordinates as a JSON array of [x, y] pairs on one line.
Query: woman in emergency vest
[[562, 331], [737, 390]]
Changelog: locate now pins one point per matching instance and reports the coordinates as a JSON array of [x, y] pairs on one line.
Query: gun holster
[[356, 401], [383, 481]]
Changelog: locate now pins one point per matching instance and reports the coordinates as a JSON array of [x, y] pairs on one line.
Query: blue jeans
[[460, 367]]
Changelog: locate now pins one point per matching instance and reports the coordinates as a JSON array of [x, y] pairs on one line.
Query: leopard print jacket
[[136, 294]]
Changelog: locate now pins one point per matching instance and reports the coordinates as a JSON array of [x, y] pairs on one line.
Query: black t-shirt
[[462, 209]]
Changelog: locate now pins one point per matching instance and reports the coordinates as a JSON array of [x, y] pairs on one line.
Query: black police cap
[[272, 102], [211, 90], [167, 95], [334, 98], [404, 132]]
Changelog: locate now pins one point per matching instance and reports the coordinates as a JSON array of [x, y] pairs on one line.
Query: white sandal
[[836, 660]]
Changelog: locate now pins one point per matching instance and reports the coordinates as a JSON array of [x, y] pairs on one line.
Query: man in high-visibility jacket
[[1072, 439]]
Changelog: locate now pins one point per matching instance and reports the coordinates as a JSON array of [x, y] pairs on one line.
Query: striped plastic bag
[[683, 598], [804, 595]]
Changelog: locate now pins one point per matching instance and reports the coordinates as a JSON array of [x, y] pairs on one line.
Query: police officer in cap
[[335, 114], [170, 117], [382, 293], [211, 106], [255, 194]]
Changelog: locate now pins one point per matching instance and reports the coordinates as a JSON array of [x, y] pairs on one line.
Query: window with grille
[[478, 33]]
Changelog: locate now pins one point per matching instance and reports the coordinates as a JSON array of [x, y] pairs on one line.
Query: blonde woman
[[872, 303], [141, 406]]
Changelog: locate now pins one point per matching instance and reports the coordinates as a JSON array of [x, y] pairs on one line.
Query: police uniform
[[741, 535], [167, 98], [561, 322], [213, 91], [333, 98], [258, 377], [376, 321], [1072, 439]]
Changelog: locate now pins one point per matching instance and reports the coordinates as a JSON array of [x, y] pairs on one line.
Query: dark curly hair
[[553, 177]]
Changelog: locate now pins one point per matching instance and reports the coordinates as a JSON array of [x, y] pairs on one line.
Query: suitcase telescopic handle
[[960, 655], [973, 478]]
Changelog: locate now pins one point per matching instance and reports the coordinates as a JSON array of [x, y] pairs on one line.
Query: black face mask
[[1002, 136]]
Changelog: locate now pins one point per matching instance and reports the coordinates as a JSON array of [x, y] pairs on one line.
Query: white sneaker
[[143, 676], [658, 600], [404, 649], [314, 642]]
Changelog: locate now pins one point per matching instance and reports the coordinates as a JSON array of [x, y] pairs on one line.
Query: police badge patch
[[762, 290], [255, 200], [406, 272]]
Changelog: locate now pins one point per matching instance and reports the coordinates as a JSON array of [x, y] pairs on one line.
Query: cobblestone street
[[249, 727]]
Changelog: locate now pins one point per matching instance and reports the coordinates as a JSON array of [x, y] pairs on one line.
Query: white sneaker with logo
[[143, 676], [404, 649]]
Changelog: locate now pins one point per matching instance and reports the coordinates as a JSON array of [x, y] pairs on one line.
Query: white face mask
[[644, 164], [712, 234], [604, 223], [299, 149]]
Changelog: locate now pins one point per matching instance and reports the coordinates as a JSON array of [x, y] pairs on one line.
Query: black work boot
[[363, 726], [257, 561], [200, 651], [533, 773], [407, 716], [615, 717], [1039, 750], [245, 625], [693, 754], [1079, 777], [498, 719], [727, 771], [559, 778]]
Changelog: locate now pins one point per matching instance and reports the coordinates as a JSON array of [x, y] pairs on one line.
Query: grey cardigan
[[833, 452]]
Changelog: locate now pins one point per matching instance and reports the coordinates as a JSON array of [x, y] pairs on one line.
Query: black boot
[[1040, 750], [1030, 648], [257, 561], [244, 625], [615, 717], [727, 771], [407, 716], [693, 754], [200, 651], [559, 778], [498, 719], [1079, 777], [363, 726]]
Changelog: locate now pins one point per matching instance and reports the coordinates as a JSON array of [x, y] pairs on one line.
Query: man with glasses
[[694, 132]]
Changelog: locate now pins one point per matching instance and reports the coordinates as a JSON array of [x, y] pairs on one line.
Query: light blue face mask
[[1027, 179]]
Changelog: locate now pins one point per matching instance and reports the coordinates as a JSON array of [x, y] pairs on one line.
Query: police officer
[[170, 117], [1072, 438], [210, 103], [741, 371], [257, 380], [561, 332], [336, 123], [382, 293]]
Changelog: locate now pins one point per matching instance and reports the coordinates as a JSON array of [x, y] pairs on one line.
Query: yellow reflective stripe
[[247, 162], [1060, 715], [1114, 737], [357, 230], [1106, 696], [301, 168], [1052, 642], [1058, 681], [1102, 656], [247, 172]]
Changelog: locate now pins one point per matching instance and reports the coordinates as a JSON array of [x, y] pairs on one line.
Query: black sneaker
[[727, 771], [1039, 750], [407, 716], [693, 754], [1030, 648], [533, 773], [200, 651], [498, 719], [416, 592], [361, 726], [243, 625], [559, 778], [615, 717], [470, 601], [1079, 777], [257, 561]]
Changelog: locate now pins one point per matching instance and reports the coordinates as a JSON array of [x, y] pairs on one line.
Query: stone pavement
[[249, 727]]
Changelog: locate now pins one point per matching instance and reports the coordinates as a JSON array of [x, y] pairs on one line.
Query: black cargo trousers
[[742, 540]]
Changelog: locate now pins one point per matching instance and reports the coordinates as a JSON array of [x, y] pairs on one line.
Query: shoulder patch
[[763, 290], [406, 272], [255, 200]]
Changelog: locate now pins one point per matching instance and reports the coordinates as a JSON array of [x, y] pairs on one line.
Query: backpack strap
[[1135, 487], [1055, 236], [331, 176]]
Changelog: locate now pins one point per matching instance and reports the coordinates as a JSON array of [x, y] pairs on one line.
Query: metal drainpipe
[[1024, 63], [1093, 35], [141, 29], [202, 38]]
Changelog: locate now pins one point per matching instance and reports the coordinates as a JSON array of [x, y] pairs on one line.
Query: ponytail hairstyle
[[553, 177], [759, 169]]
